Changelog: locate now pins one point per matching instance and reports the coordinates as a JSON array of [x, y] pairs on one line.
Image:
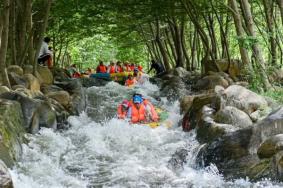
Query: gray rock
[[233, 116], [244, 99], [209, 82], [4, 89], [37, 112]]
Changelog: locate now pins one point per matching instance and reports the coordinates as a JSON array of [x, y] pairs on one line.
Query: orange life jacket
[[138, 115], [102, 69], [119, 69], [128, 68], [130, 82], [111, 69], [140, 68], [121, 114], [154, 114]]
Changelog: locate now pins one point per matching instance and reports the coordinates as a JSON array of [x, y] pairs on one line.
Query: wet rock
[[77, 94], [5, 176], [178, 159], [15, 69], [59, 74], [33, 82], [173, 89], [207, 129], [61, 114], [186, 102], [209, 82], [4, 89], [89, 82], [233, 116], [181, 72], [62, 97], [15, 79], [11, 131], [270, 146], [44, 75], [194, 114], [36, 112]]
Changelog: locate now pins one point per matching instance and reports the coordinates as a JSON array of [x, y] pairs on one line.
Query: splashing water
[[102, 151]]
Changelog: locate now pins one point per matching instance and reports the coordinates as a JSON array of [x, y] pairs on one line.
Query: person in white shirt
[[44, 53]]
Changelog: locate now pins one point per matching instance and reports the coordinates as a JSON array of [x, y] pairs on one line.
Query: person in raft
[[141, 110], [101, 68], [131, 81], [111, 68]]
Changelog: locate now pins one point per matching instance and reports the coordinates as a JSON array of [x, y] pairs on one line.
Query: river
[[98, 150]]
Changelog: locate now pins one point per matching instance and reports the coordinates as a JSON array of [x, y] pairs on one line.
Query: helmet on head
[[137, 99], [136, 70]]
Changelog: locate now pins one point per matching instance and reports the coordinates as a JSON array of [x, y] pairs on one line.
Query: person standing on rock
[[157, 66], [45, 54]]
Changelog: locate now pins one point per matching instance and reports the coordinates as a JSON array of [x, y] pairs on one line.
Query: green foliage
[[275, 94]]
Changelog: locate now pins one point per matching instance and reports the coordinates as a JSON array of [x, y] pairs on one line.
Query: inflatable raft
[[120, 77], [163, 120]]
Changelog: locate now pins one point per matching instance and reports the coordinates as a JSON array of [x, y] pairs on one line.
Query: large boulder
[[37, 112], [209, 82], [44, 75], [33, 82], [16, 79], [15, 69], [5, 176], [77, 95], [194, 114], [11, 131], [233, 116], [243, 99], [62, 97]]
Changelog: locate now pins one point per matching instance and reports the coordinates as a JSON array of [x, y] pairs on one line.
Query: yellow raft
[[164, 121], [122, 76]]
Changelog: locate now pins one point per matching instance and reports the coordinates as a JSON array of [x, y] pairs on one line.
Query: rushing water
[[98, 150]]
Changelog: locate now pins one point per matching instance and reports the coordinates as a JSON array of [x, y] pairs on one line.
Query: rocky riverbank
[[240, 131]]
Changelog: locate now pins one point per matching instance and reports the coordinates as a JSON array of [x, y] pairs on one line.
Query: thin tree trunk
[[161, 47], [240, 31], [4, 43], [257, 52], [12, 38], [268, 9], [30, 30]]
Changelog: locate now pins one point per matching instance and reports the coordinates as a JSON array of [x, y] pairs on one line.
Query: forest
[[182, 33]]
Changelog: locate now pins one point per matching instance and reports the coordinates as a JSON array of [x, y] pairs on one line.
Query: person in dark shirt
[[157, 66]]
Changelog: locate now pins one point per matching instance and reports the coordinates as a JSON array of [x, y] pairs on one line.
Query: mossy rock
[[11, 131]]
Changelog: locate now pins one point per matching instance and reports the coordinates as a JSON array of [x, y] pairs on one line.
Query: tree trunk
[[29, 29], [161, 47], [240, 31], [4, 43], [257, 52], [268, 9], [12, 37]]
